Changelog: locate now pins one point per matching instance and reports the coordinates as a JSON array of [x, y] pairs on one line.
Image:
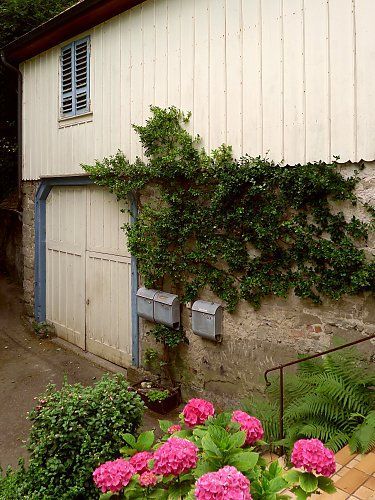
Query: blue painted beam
[[41, 196]]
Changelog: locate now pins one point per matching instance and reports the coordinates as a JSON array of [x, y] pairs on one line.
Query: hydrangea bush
[[212, 456]]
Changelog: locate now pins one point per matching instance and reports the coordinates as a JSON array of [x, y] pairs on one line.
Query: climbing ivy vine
[[245, 228]]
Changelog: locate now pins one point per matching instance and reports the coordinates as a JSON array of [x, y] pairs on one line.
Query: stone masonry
[[254, 341], [28, 242]]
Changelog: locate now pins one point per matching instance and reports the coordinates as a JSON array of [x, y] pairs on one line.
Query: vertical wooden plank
[[136, 78], [201, 118], [294, 119], [161, 57], [148, 21], [114, 89], [106, 64], [272, 79], [252, 78], [218, 74], [174, 53], [341, 43], [97, 55], [234, 23], [317, 81], [125, 91], [365, 56], [187, 55]]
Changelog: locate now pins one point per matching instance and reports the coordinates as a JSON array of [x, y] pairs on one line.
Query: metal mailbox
[[167, 309], [207, 320], [145, 303]]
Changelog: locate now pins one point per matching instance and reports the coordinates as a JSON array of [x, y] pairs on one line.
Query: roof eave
[[71, 22]]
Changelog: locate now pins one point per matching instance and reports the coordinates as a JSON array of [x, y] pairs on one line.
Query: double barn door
[[88, 271]]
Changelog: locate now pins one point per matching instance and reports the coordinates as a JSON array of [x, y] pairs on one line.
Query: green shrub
[[11, 482], [330, 398], [73, 430]]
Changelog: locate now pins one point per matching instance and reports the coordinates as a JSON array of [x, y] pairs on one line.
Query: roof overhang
[[71, 22]]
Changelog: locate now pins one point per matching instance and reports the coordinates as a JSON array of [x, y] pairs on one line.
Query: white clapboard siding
[[290, 79]]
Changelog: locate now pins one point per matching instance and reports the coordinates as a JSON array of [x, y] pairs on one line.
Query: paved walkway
[[27, 365], [354, 477]]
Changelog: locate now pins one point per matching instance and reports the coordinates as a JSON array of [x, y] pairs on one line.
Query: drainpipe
[[19, 128]]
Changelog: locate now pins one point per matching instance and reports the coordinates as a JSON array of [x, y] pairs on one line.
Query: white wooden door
[[65, 262], [108, 279], [89, 271]]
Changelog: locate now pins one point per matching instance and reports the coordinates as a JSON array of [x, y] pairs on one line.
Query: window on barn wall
[[75, 78]]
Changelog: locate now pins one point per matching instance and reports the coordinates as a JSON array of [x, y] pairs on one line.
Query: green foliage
[[244, 228], [73, 431], [331, 399], [157, 395], [11, 482], [220, 442], [170, 337]]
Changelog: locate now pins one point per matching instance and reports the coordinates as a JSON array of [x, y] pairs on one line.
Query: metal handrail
[[297, 361]]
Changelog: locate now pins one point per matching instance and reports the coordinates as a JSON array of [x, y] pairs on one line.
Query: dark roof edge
[[71, 22]]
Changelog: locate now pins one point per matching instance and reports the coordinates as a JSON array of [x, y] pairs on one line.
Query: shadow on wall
[[11, 241]]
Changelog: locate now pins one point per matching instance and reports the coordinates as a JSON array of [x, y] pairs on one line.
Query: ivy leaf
[[145, 441], [244, 460], [308, 482]]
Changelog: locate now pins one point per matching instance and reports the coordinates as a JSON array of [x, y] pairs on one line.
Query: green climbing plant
[[245, 228]]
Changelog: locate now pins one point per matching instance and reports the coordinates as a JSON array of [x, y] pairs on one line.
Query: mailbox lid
[[206, 307], [146, 293], [166, 298]]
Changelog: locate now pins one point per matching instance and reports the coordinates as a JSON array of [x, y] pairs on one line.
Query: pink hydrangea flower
[[113, 476], [147, 479], [312, 455], [225, 484], [140, 461], [197, 411], [174, 428], [251, 425], [175, 456]]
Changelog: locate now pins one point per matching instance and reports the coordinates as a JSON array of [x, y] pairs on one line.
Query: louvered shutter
[[67, 90], [75, 78], [81, 76]]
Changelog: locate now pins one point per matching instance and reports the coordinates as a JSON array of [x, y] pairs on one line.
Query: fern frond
[[363, 438]]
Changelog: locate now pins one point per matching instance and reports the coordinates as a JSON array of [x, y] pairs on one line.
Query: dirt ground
[[27, 365]]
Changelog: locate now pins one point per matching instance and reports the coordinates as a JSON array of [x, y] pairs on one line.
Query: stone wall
[[254, 341], [28, 243]]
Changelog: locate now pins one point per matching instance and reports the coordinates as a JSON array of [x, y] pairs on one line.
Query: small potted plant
[[164, 394]]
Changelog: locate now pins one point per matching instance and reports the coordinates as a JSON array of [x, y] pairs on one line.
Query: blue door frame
[[41, 196]]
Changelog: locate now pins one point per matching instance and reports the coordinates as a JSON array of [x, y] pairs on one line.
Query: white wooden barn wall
[[291, 78]]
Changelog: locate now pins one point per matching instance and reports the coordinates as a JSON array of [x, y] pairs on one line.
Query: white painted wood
[[65, 262], [365, 77], [293, 78], [89, 271], [108, 278]]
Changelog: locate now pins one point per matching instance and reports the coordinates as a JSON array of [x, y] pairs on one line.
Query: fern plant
[[330, 398]]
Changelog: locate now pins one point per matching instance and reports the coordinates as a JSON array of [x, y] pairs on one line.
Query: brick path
[[354, 478]]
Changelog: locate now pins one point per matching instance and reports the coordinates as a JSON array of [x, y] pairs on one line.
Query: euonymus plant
[[245, 228]]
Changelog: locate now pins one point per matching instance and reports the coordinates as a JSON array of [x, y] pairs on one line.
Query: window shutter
[[75, 78], [67, 94], [81, 76]]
